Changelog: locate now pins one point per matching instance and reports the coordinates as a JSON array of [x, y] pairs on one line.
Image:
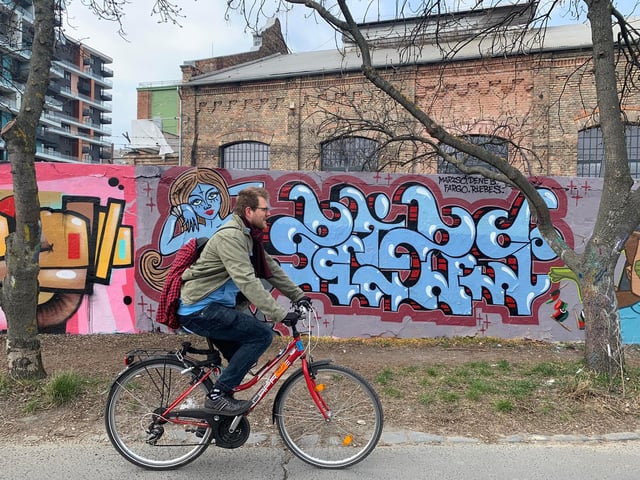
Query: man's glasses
[[264, 209]]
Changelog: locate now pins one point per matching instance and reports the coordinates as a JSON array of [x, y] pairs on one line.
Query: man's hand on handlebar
[[304, 302], [291, 319]]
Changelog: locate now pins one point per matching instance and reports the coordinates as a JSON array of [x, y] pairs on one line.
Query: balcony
[[66, 131], [53, 104], [6, 85], [56, 71], [84, 86], [106, 71], [51, 155], [15, 47], [86, 73], [66, 91]]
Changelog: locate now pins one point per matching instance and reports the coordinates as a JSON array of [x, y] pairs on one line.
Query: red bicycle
[[327, 415]]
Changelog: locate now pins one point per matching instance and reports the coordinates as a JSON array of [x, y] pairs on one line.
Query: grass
[[64, 387], [61, 389], [503, 386]]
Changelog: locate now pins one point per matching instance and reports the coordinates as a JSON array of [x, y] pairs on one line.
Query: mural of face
[[205, 200]]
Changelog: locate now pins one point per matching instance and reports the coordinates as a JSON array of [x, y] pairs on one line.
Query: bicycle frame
[[286, 357], [293, 351]]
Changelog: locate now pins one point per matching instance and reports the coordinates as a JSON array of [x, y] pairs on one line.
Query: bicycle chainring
[[226, 439]]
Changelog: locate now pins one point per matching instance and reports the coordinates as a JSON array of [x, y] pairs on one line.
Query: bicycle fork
[[315, 389]]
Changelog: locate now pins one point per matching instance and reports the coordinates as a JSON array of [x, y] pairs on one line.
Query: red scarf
[[258, 259]]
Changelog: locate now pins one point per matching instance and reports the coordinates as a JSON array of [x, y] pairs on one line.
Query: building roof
[[306, 64]]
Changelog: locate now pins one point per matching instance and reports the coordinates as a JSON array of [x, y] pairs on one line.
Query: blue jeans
[[251, 335]]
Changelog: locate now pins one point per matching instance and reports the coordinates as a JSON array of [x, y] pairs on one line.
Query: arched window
[[495, 145], [591, 151], [349, 154], [245, 156]]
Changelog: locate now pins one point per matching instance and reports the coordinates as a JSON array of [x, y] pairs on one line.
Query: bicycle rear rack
[[144, 354], [212, 354]]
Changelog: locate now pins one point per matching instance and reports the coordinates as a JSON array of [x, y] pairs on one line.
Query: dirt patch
[[100, 357]]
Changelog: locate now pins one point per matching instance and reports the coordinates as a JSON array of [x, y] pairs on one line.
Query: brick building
[[286, 111]]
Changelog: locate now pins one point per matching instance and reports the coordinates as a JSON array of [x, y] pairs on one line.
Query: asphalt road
[[565, 461]]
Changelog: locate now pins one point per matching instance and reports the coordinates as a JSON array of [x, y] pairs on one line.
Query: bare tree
[[619, 211], [20, 285], [19, 299]]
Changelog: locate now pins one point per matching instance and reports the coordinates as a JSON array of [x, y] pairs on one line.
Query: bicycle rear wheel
[[132, 415], [348, 435]]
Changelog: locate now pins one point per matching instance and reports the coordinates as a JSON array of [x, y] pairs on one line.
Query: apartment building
[[74, 126]]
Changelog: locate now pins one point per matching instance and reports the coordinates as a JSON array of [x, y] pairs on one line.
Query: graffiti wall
[[381, 255], [87, 263]]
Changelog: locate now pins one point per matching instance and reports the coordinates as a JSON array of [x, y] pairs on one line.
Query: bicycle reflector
[[347, 440], [319, 387], [128, 360]]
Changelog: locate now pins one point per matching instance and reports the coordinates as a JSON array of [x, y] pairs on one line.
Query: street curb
[[408, 437], [415, 438], [400, 437]]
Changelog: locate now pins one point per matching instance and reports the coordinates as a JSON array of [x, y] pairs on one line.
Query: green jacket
[[226, 255]]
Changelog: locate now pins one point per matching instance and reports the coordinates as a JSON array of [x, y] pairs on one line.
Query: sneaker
[[224, 404]]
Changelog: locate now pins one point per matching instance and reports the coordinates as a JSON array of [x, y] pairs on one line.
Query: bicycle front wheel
[[349, 434], [138, 397]]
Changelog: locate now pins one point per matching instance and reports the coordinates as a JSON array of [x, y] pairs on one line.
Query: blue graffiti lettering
[[435, 258]]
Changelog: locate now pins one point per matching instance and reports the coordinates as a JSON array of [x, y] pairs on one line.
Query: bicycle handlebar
[[301, 310]]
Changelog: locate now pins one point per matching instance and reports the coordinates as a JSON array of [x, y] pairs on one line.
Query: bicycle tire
[[136, 397], [352, 431]]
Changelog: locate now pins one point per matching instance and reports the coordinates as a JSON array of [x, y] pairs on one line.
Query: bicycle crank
[[226, 439]]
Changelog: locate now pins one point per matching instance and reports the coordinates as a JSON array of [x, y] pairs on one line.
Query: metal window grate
[[349, 154], [591, 151], [495, 145], [632, 135], [246, 156]]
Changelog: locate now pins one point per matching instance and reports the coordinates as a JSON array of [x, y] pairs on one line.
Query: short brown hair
[[249, 197]]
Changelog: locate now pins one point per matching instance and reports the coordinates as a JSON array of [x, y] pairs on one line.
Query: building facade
[[531, 99], [161, 101], [74, 126]]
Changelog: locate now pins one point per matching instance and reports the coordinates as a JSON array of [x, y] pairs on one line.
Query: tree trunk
[[20, 285], [618, 213], [603, 347]]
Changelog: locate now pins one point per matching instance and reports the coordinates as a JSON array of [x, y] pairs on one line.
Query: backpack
[[170, 295]]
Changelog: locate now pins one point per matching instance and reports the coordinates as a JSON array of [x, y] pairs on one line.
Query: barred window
[[495, 145], [245, 156], [591, 151], [349, 154]]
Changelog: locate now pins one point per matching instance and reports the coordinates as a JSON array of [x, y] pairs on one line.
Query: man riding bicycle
[[222, 282]]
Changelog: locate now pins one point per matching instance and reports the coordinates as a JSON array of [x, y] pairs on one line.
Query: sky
[[153, 51]]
